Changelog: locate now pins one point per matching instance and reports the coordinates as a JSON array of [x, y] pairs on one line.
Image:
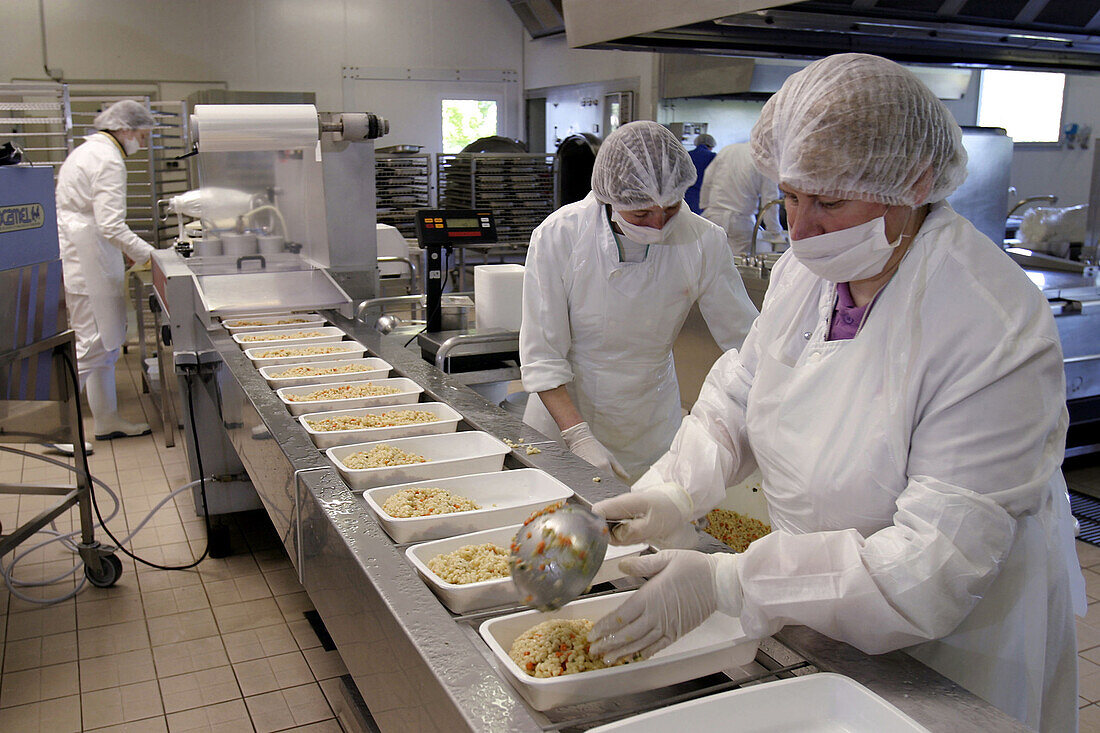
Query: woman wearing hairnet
[[608, 284], [91, 227], [902, 393]]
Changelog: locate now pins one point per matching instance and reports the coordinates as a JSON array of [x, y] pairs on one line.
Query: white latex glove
[[583, 443], [682, 594], [660, 514]]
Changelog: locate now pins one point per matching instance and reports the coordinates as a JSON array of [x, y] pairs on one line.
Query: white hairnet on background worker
[[911, 469], [93, 234], [733, 193], [601, 308]]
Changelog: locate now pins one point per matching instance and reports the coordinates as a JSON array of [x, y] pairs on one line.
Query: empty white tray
[[447, 422], [489, 593], [325, 334], [271, 322], [451, 454], [505, 497], [374, 368], [717, 644], [822, 703], [409, 393], [348, 350]]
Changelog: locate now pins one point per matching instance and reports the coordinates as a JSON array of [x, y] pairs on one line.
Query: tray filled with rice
[[400, 460], [321, 372], [347, 395], [419, 511], [289, 337], [340, 427], [470, 572], [277, 322], [271, 355], [545, 655]]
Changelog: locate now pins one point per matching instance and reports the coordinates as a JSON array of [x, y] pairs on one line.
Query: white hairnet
[[856, 126], [125, 114], [705, 139], [640, 165]]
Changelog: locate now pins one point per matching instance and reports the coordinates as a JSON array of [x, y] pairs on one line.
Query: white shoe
[[104, 403], [68, 449], [115, 427]]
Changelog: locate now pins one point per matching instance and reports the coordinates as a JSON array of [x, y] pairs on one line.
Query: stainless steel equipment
[[982, 198]]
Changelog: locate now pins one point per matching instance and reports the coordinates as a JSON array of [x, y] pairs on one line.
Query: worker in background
[[733, 193], [91, 227], [701, 155], [608, 284], [902, 394]]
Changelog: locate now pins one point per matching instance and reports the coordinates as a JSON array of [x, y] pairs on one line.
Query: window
[[466, 120], [1027, 104]]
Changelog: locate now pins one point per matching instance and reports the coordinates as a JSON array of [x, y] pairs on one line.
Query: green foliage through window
[[466, 120]]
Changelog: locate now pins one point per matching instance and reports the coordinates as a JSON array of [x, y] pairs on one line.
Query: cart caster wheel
[[110, 569], [220, 541]]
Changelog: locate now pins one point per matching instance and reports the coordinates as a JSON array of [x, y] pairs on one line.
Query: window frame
[[497, 99], [1029, 145]]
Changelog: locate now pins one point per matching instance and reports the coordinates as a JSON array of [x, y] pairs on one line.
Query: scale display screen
[[463, 224]]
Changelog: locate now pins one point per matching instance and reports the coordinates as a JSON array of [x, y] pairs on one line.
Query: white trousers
[[90, 353]]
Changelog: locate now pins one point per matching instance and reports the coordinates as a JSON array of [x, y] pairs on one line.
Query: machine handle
[[263, 262]]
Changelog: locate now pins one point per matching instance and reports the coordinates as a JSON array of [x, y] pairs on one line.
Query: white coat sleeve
[[734, 199], [769, 192], [724, 302], [109, 208], [545, 335], [982, 454]]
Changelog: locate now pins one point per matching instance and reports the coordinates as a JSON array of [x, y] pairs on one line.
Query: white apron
[[104, 272]]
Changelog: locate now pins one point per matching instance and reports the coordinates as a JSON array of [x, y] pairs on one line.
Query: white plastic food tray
[[409, 393], [272, 322], [822, 703], [375, 369], [489, 593], [348, 350], [505, 497], [327, 335], [451, 454], [447, 422], [717, 644]]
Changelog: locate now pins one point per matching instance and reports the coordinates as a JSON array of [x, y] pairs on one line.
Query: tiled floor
[[223, 647]]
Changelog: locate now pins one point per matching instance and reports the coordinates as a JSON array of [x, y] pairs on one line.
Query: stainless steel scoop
[[555, 555]]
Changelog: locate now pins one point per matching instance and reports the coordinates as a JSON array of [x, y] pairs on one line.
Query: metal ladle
[[555, 555]]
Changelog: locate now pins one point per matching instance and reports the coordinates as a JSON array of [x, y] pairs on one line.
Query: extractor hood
[[539, 17], [1052, 34]]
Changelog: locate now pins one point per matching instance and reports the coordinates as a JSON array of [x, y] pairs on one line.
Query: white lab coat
[[605, 328], [93, 235], [912, 473], [733, 192]]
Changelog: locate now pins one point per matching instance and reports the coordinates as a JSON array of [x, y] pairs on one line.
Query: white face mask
[[675, 230], [855, 253], [131, 145]]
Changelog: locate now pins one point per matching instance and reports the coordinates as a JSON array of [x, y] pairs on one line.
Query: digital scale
[[436, 230]]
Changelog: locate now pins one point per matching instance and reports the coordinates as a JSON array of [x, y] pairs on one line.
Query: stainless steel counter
[[419, 667]]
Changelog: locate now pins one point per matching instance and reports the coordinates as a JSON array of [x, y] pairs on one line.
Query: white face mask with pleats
[[131, 145], [675, 231], [855, 253]]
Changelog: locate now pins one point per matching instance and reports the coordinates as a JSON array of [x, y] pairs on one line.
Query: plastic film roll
[[233, 127]]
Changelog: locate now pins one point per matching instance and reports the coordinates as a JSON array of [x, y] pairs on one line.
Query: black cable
[[91, 481], [442, 288]]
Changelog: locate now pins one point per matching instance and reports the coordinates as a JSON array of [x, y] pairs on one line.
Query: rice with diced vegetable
[[556, 647], [303, 351], [280, 322], [344, 392], [389, 419], [282, 336], [311, 371], [736, 530], [425, 502], [471, 564], [382, 455]]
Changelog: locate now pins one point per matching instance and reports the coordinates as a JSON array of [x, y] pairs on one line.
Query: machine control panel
[[455, 227]]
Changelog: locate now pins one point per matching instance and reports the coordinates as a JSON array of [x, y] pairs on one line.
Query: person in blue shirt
[[701, 156]]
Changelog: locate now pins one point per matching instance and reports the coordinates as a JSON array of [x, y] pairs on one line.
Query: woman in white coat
[[608, 284], [903, 396], [92, 230]]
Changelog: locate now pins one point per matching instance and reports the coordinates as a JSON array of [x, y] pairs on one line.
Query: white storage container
[[488, 593], [409, 393], [446, 422], [716, 644], [451, 454], [824, 703], [374, 368], [347, 350], [505, 497], [240, 324], [275, 337]]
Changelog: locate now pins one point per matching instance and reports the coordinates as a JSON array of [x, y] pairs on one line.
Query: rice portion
[[736, 530], [280, 322], [382, 455], [425, 502], [308, 371], [389, 419], [556, 647], [471, 564], [283, 336], [302, 351], [343, 392]]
